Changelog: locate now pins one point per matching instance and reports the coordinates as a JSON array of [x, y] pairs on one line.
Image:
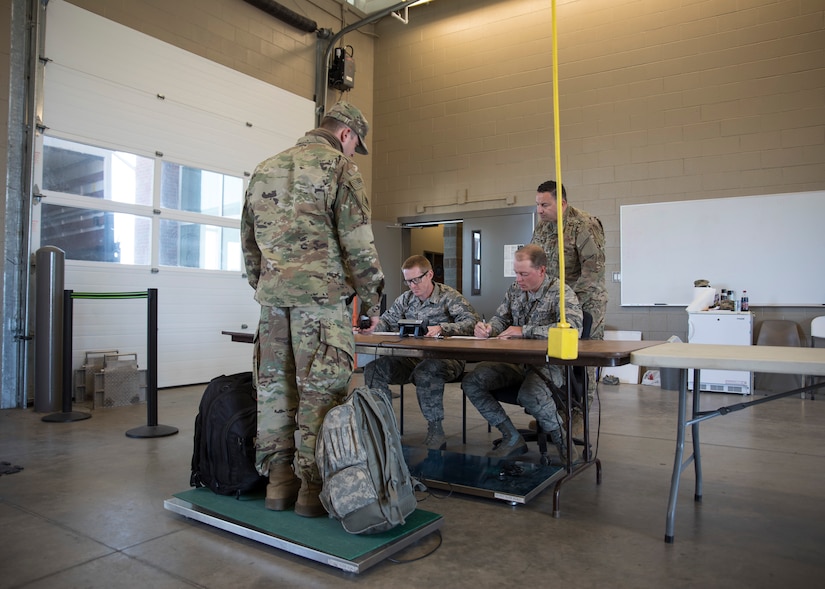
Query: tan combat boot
[[282, 490], [309, 501]]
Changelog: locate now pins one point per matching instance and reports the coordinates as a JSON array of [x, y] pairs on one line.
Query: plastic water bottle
[[743, 303]]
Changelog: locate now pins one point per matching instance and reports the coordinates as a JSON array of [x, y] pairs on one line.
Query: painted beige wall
[[660, 101], [429, 239]]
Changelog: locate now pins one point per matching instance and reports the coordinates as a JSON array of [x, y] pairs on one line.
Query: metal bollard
[[48, 332]]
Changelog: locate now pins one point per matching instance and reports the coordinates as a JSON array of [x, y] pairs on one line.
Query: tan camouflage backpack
[[367, 485]]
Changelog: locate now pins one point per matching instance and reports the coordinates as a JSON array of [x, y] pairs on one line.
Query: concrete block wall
[[659, 101]]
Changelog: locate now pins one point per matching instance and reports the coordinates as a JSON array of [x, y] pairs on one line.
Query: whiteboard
[[770, 245]]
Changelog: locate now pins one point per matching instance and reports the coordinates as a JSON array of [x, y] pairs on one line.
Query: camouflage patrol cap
[[354, 119]]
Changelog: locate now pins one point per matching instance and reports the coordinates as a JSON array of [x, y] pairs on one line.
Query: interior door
[[488, 237]]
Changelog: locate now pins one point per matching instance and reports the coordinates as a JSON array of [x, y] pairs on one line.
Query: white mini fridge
[[722, 327]]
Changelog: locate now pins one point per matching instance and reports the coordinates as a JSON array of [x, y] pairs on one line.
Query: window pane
[[200, 191], [98, 236], [97, 172], [192, 245], [475, 278]]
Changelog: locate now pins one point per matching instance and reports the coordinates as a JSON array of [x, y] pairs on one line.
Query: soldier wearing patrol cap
[[308, 247], [352, 118]]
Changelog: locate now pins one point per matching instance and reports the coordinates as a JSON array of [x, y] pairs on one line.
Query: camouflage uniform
[[445, 307], [584, 265], [308, 244], [535, 313]]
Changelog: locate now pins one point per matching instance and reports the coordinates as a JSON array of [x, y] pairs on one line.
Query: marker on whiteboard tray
[[660, 304]]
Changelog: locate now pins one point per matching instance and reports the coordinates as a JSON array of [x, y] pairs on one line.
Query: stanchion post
[[68, 318], [152, 352], [152, 429]]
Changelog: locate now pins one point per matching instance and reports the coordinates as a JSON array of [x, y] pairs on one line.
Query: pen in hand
[[483, 329]]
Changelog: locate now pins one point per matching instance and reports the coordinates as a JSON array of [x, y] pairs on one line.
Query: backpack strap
[[369, 398], [194, 474]]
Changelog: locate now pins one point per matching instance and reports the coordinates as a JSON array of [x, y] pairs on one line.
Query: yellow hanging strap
[[562, 340]]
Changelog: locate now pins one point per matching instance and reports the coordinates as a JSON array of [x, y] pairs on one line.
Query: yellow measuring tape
[[562, 340]]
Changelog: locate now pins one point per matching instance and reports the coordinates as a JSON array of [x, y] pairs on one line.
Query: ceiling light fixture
[[403, 15]]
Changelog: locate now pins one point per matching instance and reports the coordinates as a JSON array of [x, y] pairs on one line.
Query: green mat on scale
[[321, 539]]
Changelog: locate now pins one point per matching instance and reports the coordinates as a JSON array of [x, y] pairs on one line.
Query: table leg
[[694, 428], [569, 437], [677, 461], [586, 453], [587, 458]]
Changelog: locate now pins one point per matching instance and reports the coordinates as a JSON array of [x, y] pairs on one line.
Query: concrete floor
[[87, 510]]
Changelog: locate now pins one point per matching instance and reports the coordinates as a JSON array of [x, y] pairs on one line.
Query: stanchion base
[[152, 431], [66, 416]]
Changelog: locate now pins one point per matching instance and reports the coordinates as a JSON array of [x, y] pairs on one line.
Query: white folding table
[[775, 359]]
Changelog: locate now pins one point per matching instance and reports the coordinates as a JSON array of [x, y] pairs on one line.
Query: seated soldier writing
[[530, 307]]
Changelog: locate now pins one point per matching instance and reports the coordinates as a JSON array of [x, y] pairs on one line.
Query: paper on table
[[449, 336]]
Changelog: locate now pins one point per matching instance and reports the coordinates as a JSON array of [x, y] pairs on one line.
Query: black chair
[[778, 332], [817, 333], [509, 395]]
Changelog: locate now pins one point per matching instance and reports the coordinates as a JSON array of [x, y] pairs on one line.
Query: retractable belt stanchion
[[151, 429]]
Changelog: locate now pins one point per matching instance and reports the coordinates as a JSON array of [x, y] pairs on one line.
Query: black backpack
[[225, 430]]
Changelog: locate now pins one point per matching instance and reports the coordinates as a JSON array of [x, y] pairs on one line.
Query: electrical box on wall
[[342, 69]]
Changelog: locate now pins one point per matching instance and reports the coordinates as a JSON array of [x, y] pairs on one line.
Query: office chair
[[777, 332], [509, 395], [817, 332]]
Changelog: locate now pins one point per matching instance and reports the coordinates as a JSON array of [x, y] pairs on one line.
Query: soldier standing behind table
[[446, 312], [584, 263], [308, 246]]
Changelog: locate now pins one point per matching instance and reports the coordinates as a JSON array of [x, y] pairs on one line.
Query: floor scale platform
[[508, 480], [320, 539]]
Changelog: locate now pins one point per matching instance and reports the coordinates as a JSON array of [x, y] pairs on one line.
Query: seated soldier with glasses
[[446, 313]]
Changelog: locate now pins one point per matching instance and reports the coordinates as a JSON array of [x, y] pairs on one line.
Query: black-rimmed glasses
[[417, 279]]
